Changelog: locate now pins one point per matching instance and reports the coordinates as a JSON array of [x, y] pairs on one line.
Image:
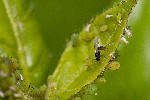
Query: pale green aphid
[[113, 65], [119, 18], [103, 28], [74, 39], [100, 80]]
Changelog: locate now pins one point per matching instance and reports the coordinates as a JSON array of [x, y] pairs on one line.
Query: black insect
[[98, 48], [98, 53]]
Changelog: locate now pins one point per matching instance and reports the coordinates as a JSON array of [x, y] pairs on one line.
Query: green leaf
[[20, 38], [77, 66]]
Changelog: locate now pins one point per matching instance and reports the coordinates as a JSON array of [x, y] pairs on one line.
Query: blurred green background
[[58, 19]]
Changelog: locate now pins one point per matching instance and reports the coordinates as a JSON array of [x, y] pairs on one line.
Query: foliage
[[25, 36]]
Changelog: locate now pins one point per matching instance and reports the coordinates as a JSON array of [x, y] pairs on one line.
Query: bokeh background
[[58, 19]]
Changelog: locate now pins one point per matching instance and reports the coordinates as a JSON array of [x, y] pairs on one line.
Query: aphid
[[124, 40], [21, 77], [17, 95], [119, 18], [113, 65], [88, 28], [98, 48], [127, 31], [74, 38], [112, 56], [109, 16], [100, 80], [103, 28]]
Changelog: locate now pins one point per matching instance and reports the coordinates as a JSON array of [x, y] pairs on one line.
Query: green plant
[[75, 69]]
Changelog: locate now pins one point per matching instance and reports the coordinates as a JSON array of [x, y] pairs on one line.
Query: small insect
[[114, 65], [114, 55], [119, 18], [98, 48], [127, 31], [88, 28], [74, 39], [21, 77], [100, 80], [103, 28], [109, 16], [124, 40]]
